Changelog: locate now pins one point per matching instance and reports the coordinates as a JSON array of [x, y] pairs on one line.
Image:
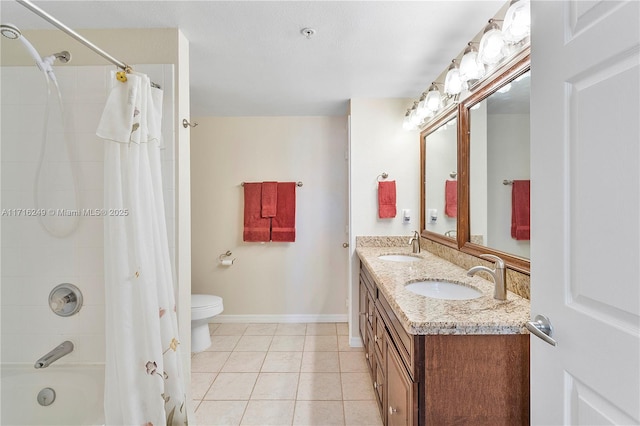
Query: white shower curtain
[[143, 380]]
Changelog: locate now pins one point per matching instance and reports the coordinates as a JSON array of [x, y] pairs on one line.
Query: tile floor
[[282, 374]]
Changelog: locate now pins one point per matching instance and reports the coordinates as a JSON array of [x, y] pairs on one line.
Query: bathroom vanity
[[441, 362]]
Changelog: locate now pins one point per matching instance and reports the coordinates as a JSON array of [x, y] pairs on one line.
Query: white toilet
[[203, 308]]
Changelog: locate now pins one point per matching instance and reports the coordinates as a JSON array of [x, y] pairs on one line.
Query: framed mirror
[[439, 183], [495, 193]]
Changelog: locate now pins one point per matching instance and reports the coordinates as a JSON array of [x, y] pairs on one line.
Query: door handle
[[541, 327]]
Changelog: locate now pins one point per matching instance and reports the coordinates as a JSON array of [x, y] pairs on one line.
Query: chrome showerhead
[[10, 31]]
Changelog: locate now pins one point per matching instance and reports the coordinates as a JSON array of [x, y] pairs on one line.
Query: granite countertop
[[425, 315]]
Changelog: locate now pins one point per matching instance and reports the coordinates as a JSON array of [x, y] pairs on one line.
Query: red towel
[[256, 228], [283, 225], [387, 199], [520, 219], [451, 198], [269, 198]]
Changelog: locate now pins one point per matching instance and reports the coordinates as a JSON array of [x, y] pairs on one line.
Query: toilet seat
[[205, 305]]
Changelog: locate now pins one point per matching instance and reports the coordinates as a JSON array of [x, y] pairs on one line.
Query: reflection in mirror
[[440, 179], [499, 169]]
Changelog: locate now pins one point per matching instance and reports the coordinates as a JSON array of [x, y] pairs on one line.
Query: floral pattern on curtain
[[144, 384]]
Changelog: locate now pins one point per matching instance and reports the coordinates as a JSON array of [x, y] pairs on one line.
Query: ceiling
[[248, 58]]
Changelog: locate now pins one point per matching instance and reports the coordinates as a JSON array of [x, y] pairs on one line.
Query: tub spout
[[55, 354]]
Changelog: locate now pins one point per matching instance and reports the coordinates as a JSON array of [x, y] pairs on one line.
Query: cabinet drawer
[[406, 344]]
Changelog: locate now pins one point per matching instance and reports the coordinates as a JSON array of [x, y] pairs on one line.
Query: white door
[[585, 249]]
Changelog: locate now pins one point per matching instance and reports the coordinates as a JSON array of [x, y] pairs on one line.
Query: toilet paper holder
[[223, 258]]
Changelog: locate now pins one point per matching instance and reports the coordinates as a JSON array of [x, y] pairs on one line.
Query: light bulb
[[415, 119], [406, 123], [434, 99], [421, 108], [491, 44], [470, 67], [517, 21], [453, 82]]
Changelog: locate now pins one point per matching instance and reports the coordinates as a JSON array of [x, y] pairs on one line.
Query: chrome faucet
[[55, 354], [414, 242], [498, 274]]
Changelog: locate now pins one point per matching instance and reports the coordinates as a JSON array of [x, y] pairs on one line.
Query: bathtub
[[79, 395]]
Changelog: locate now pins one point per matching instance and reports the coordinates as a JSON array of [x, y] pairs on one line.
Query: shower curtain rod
[[47, 17]]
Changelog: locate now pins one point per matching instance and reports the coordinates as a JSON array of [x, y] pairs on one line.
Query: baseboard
[[255, 319], [355, 342]]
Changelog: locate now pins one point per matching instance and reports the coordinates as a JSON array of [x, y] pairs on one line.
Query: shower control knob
[[65, 299]]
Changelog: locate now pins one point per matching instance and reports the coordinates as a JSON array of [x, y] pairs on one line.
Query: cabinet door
[[379, 387], [363, 312], [371, 311], [401, 392], [370, 354]]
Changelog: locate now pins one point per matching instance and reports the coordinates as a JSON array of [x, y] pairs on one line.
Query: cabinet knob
[[366, 355], [375, 385], [392, 410], [375, 338]]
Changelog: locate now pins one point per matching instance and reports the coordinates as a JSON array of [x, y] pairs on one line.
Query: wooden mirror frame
[[447, 114], [465, 245], [518, 66]]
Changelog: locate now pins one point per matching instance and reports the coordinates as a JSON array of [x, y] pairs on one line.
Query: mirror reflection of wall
[[499, 151], [441, 179]]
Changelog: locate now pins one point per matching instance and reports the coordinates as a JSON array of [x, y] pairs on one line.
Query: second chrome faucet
[[414, 242], [498, 274]]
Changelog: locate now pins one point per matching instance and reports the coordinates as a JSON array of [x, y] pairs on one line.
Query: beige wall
[[301, 281], [379, 144], [132, 46]]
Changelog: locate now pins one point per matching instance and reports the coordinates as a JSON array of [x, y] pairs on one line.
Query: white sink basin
[[443, 290], [400, 258]]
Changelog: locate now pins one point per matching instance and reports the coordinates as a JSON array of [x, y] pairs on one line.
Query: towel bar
[[298, 184]]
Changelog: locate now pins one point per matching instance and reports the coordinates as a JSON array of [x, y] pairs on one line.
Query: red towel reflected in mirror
[[520, 210], [451, 198]]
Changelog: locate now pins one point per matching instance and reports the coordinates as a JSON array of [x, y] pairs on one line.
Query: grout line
[[299, 372]]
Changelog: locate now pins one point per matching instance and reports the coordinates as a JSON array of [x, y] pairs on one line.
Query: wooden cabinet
[[394, 385], [401, 407], [435, 380]]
